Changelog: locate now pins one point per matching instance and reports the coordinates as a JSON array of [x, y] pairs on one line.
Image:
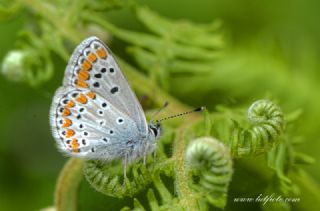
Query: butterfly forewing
[[86, 124], [93, 67]]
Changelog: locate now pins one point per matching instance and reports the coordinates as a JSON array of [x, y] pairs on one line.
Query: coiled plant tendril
[[104, 180], [267, 123], [210, 165]]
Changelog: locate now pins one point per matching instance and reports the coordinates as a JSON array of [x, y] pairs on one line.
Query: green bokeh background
[[283, 29]]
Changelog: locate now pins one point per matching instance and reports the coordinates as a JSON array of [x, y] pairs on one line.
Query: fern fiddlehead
[[210, 161], [267, 123], [102, 178]]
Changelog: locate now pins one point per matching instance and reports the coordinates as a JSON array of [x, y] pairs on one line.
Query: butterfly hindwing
[[93, 67], [85, 124]]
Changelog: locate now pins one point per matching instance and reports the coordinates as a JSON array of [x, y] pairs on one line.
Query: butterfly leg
[[145, 154], [155, 155], [125, 161]]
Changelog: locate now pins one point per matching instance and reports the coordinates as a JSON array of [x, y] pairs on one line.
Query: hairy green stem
[[66, 193], [187, 200]]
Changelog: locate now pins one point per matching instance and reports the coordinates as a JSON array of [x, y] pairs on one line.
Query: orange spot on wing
[[86, 65], [83, 75], [92, 57], [67, 122], [66, 112], [76, 150], [81, 83], [82, 99], [91, 95], [70, 104], [74, 142], [102, 53], [75, 145], [69, 133]]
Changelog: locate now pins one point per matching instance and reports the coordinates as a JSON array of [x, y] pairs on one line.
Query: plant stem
[[187, 199], [66, 193]]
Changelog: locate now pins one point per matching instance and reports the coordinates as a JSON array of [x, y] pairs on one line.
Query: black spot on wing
[[114, 90]]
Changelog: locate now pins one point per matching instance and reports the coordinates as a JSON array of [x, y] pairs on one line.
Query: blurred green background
[[262, 38]]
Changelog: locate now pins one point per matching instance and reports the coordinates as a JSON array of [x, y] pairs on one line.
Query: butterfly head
[[154, 129]]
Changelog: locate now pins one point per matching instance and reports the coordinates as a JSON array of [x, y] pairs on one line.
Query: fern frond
[[211, 162], [101, 177], [165, 201], [283, 159], [175, 46], [267, 123]]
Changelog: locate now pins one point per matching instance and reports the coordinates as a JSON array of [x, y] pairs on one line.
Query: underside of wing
[[93, 67], [85, 124]]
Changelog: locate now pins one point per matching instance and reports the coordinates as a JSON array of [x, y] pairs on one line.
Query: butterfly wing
[[93, 66], [95, 114], [85, 124]]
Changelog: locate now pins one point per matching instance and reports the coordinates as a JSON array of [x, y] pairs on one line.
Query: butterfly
[[95, 114]]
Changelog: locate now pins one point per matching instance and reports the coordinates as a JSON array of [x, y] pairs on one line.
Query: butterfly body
[[95, 114]]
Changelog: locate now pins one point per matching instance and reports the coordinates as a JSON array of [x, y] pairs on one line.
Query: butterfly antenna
[[157, 112], [181, 114]]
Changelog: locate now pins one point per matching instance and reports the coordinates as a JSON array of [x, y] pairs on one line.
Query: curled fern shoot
[[210, 165], [104, 179], [267, 124]]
